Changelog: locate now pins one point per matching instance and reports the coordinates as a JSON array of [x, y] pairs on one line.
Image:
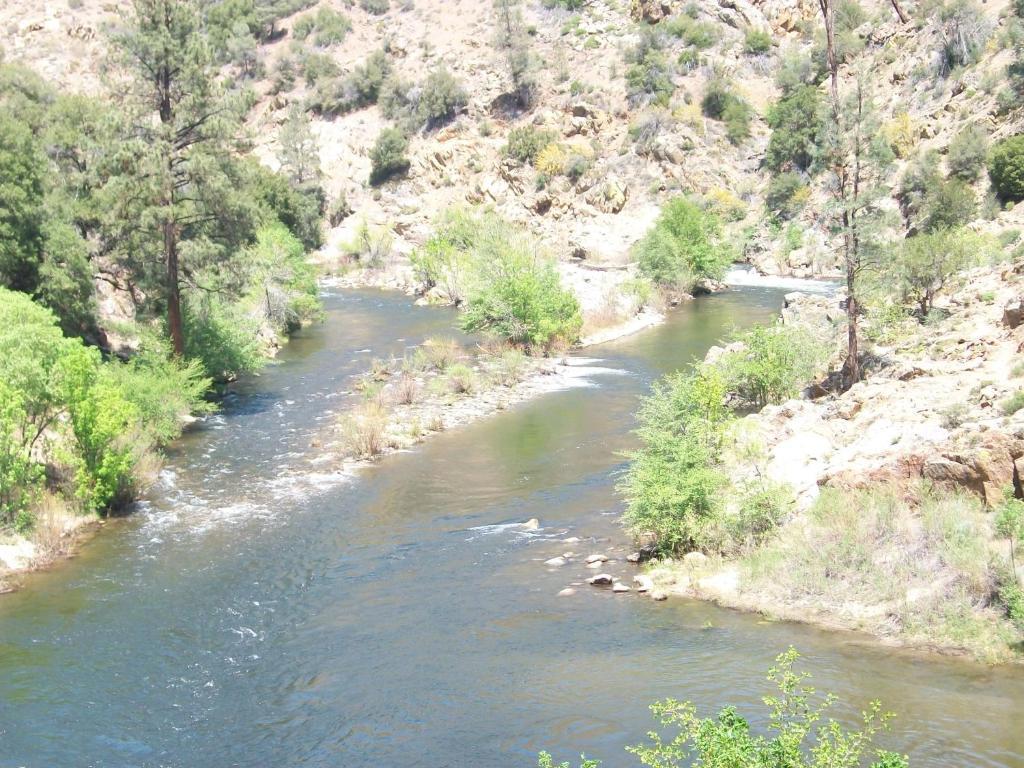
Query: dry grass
[[364, 431], [508, 368], [461, 379], [51, 529], [608, 314], [442, 352], [909, 563], [406, 390]]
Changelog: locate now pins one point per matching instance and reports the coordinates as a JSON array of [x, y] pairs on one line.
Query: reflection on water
[[262, 612]]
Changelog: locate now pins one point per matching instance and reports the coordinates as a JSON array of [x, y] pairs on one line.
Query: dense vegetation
[[149, 193], [683, 248], [502, 280]]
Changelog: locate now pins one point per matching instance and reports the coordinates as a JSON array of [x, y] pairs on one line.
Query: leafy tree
[[388, 158], [683, 247], [773, 364], [924, 264], [673, 483], [967, 153], [950, 203], [786, 195], [649, 75], [526, 141], [797, 123], [513, 43], [174, 197], [441, 98], [860, 164], [22, 169]]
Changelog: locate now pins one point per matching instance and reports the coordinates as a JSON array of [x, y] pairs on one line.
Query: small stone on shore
[[643, 583], [659, 595]]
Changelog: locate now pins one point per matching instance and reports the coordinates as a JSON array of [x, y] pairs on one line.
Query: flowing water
[[260, 611]]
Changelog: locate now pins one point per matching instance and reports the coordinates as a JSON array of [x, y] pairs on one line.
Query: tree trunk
[[899, 11], [173, 292], [828, 16], [851, 367]]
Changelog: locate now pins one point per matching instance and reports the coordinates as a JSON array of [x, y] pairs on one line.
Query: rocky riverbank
[[895, 483]]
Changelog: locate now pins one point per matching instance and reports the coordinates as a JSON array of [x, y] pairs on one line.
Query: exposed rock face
[[985, 469], [651, 11], [1013, 313]]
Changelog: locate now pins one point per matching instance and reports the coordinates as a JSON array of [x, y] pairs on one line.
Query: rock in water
[[596, 559], [619, 587], [643, 583], [567, 592], [532, 524], [601, 580], [556, 561], [659, 595]]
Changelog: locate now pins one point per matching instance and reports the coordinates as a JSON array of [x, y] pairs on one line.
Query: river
[[261, 611]]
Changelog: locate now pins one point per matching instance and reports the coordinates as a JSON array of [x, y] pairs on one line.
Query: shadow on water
[[261, 612]]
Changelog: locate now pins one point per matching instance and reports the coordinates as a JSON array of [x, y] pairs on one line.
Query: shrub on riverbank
[[71, 421], [683, 248], [799, 733], [507, 286]]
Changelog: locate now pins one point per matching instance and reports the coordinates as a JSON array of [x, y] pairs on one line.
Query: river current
[[261, 610]]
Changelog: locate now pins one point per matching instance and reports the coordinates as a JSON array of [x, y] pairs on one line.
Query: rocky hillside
[[635, 148]]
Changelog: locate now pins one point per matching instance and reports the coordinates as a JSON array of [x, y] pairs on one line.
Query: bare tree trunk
[[899, 11], [828, 15], [851, 366], [173, 289]]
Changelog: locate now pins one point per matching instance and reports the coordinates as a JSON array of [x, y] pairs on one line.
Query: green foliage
[[360, 88], [786, 195], [649, 72], [1006, 168], [318, 67], [921, 176], [673, 483], [544, 760], [967, 153], [388, 158], [504, 282], [757, 41], [22, 168], [298, 206], [773, 365], [1013, 403], [720, 103], [526, 141], [964, 31], [330, 27], [924, 264], [949, 204], [441, 97], [20, 476], [797, 123], [222, 337], [283, 283], [375, 7], [516, 294], [798, 736], [683, 247]]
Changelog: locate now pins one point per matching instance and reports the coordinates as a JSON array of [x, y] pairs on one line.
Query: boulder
[[659, 595], [601, 580], [567, 592], [556, 562], [651, 11], [620, 587], [1013, 313], [596, 559]]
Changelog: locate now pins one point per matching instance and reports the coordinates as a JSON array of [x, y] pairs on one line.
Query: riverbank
[[895, 485]]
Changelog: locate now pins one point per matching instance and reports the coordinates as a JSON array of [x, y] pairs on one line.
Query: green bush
[[331, 27], [649, 72], [967, 153], [919, 179], [700, 35], [757, 41], [736, 116], [774, 364], [387, 158], [797, 122], [673, 483], [283, 283], [1006, 168], [517, 295], [924, 264], [949, 204], [526, 142], [222, 337], [682, 248], [786, 195], [441, 98], [360, 88], [317, 67], [375, 7]]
